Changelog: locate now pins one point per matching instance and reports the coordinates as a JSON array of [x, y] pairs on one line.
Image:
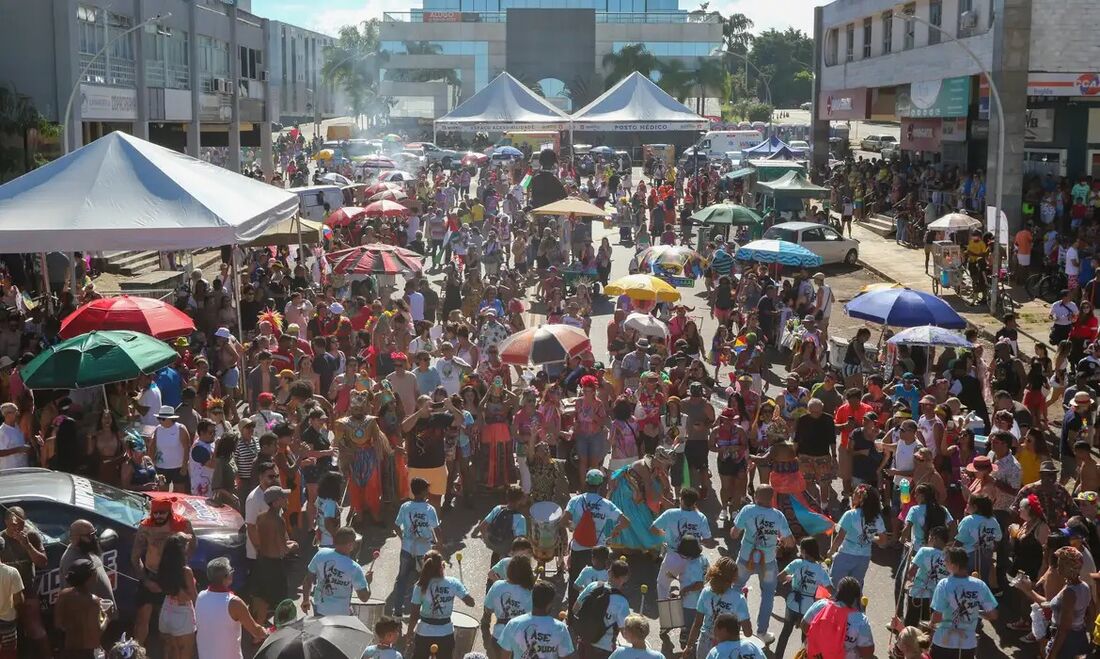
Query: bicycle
[[1049, 286]]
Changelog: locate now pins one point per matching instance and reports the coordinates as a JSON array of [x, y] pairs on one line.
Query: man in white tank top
[[170, 445], [220, 615]]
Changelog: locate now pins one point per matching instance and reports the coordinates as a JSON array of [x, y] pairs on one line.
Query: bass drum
[[546, 519]]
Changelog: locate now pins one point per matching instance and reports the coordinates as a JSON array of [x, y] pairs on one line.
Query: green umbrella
[[96, 358], [727, 214]]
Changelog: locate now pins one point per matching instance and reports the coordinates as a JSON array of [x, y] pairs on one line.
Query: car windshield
[[888, 138], [779, 233], [126, 507], [359, 149]]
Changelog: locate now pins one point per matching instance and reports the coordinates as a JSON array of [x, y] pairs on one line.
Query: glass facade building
[[598, 5], [478, 49]]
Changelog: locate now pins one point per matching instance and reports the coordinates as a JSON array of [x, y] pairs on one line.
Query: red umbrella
[[474, 158], [345, 216], [375, 259], [546, 344], [380, 162], [385, 209], [139, 314], [381, 186], [389, 195]]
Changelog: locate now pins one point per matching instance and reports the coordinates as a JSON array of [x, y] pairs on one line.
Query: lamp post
[[764, 78], [84, 72], [996, 94]]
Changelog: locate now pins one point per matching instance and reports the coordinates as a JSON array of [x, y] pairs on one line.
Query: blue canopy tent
[[766, 148]]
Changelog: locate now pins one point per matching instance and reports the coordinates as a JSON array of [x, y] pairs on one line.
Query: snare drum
[[545, 525], [466, 629], [368, 612], [670, 612]]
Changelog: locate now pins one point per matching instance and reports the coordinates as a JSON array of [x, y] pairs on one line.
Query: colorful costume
[[803, 515], [496, 441], [361, 464], [395, 464], [628, 487]]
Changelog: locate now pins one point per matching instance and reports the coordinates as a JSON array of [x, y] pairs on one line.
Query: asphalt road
[[458, 524]]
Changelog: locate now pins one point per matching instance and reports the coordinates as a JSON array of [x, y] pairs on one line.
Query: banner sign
[[99, 103], [935, 98], [678, 282], [843, 104], [920, 134], [1063, 84], [1040, 125], [497, 127], [442, 17], [640, 126]]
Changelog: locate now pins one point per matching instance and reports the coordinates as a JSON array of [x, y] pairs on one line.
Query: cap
[[274, 492], [819, 275], [336, 308], [908, 376], [642, 343], [180, 342], [223, 332], [928, 400], [594, 477], [1081, 398], [286, 373], [6, 362], [1089, 497], [809, 319], [167, 412]]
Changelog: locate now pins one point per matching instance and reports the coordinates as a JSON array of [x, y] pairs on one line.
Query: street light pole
[[84, 71], [998, 196], [764, 78]]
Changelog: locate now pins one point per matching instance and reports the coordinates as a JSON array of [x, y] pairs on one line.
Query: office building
[[875, 63], [441, 54]]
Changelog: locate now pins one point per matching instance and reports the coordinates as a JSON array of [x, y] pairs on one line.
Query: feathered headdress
[[271, 316]]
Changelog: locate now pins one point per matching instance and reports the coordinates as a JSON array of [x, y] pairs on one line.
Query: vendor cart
[[949, 268], [575, 273]]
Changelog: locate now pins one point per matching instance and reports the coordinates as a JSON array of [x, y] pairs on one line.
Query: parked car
[[819, 239], [808, 105], [890, 151], [800, 146], [433, 153], [53, 500], [877, 142]]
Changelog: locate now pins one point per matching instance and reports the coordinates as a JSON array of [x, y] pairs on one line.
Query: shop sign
[[935, 98], [98, 103], [844, 104], [1063, 84], [953, 130], [1040, 125], [920, 134], [442, 16], [983, 97]]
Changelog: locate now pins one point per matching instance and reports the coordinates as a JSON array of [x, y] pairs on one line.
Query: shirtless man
[[362, 446], [152, 533], [269, 573], [1088, 470]]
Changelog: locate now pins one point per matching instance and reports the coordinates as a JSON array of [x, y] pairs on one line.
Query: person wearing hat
[[1057, 502], [822, 301], [1063, 314], [170, 444], [588, 516], [1077, 425], [634, 363]]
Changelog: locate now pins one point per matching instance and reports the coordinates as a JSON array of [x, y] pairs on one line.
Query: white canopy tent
[[504, 104], [635, 104], [123, 193]]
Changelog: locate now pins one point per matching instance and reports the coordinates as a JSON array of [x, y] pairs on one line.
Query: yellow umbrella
[[570, 206], [643, 287], [884, 286], [324, 154]]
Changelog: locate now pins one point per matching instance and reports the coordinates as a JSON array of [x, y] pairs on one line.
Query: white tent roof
[[636, 103], [504, 104], [123, 193]]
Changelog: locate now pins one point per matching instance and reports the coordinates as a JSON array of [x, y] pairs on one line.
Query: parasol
[[646, 325], [930, 335], [139, 314], [375, 259], [904, 307], [643, 287], [385, 208], [97, 358], [778, 251], [546, 344]]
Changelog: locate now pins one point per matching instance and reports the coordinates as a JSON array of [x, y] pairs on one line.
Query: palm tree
[[348, 63], [629, 59], [676, 79], [711, 76], [18, 116], [583, 89], [738, 38]]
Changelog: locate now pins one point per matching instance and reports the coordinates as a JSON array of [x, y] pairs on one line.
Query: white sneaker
[[724, 515], [767, 637]]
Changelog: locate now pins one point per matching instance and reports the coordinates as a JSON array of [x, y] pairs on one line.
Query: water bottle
[[903, 488]]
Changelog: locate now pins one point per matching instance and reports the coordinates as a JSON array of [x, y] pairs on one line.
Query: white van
[[717, 143], [312, 200]]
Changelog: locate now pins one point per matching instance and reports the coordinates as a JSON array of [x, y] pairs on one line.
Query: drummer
[[672, 525], [520, 547], [498, 531], [589, 515], [538, 635]]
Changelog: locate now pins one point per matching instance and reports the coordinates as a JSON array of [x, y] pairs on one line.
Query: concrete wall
[[570, 34], [27, 55], [1059, 40]]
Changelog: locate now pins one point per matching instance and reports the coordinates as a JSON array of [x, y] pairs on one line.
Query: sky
[[327, 16]]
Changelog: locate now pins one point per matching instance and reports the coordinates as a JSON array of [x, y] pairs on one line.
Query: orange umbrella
[[385, 208], [345, 216]]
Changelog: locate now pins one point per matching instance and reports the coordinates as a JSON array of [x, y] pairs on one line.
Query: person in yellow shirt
[[976, 252], [477, 212]]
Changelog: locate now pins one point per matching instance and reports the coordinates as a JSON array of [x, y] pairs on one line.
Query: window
[[887, 32], [251, 63], [867, 23], [910, 38], [850, 42], [832, 46], [966, 8], [935, 17], [813, 236]]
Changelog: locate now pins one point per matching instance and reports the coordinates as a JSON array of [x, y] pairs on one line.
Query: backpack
[[588, 620], [500, 534], [584, 533], [825, 635]]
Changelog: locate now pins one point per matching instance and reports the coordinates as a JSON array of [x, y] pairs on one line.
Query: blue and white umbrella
[[778, 251], [904, 307], [507, 152], [602, 151], [930, 335]]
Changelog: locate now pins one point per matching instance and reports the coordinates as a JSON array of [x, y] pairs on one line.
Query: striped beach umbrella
[[547, 344], [375, 259]]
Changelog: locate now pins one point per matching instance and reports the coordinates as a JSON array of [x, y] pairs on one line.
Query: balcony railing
[[108, 71], [170, 76], [429, 16]]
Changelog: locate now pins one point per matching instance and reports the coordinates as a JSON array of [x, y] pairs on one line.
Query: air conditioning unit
[[221, 85], [263, 76], [969, 20]]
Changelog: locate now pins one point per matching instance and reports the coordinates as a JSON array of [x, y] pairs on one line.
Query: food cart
[[948, 268]]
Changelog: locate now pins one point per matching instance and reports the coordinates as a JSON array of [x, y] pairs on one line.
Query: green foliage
[[750, 110], [20, 123], [783, 57], [351, 63], [629, 59]]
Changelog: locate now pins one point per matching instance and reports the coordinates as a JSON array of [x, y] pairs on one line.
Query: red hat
[[266, 397]]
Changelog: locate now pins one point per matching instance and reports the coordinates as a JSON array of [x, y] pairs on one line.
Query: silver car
[[819, 239]]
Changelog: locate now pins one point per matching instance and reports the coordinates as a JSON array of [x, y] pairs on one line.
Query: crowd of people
[[346, 405]]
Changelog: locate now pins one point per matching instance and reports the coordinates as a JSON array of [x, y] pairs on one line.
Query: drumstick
[[373, 558], [641, 605], [434, 649], [458, 557]]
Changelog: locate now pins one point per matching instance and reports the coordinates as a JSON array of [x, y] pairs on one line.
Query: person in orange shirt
[[1023, 242]]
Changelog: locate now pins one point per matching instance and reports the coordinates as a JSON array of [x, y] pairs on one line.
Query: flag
[[526, 182]]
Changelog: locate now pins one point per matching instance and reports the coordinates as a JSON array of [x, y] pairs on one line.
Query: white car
[[799, 146], [819, 239]]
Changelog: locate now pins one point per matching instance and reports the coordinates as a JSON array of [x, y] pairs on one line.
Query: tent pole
[[46, 282], [235, 268], [301, 244]]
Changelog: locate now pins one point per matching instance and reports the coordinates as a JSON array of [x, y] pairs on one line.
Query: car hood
[[205, 517]]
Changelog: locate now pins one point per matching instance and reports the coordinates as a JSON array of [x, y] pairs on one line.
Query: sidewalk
[[886, 258]]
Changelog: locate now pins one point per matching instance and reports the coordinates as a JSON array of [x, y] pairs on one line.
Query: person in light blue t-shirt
[[520, 547], [761, 528], [719, 595], [387, 632], [858, 642], [601, 561], [730, 645], [416, 525], [332, 576], [538, 635], [959, 602], [330, 489], [925, 571], [510, 598], [806, 575], [979, 534], [635, 631], [433, 601], [618, 608], [672, 526], [858, 529]]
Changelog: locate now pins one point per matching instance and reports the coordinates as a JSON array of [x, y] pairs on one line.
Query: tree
[[782, 56], [737, 38], [583, 89], [20, 118], [448, 75], [350, 63], [711, 79], [629, 59], [676, 79]]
